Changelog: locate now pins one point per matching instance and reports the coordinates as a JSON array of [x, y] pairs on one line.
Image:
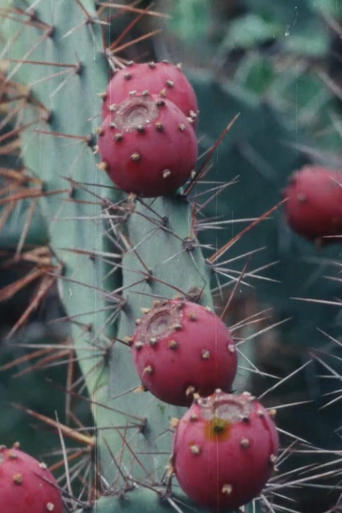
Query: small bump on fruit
[[136, 157], [205, 354], [273, 458], [244, 443], [190, 390], [166, 173], [195, 449], [174, 422], [148, 370], [227, 489], [173, 345], [102, 166], [17, 479]]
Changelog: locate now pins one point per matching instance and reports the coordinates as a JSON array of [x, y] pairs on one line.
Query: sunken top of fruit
[[227, 407], [134, 112], [161, 321]]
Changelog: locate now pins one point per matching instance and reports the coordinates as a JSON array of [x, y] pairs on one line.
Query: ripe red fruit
[[26, 486], [224, 449], [147, 146], [180, 348], [161, 78], [314, 205]]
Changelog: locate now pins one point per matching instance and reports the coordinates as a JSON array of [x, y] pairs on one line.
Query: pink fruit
[[26, 486], [161, 78], [147, 146], [180, 348], [314, 205], [224, 449]]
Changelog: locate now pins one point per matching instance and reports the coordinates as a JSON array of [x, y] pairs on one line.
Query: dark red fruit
[[147, 146], [26, 486], [160, 78], [314, 205], [180, 348], [224, 450]]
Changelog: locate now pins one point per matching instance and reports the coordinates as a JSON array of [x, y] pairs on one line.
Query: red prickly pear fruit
[[160, 78], [147, 146], [26, 486], [181, 348], [224, 449], [314, 203]]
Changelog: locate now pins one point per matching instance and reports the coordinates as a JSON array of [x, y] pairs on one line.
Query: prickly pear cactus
[[114, 254]]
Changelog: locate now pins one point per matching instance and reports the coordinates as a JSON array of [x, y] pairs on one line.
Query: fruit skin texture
[[180, 344], [314, 205], [161, 78], [148, 146], [224, 449], [26, 486]]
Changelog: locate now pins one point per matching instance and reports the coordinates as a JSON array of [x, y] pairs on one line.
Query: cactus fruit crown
[[147, 146], [314, 203], [26, 486], [160, 78], [224, 449], [181, 348]]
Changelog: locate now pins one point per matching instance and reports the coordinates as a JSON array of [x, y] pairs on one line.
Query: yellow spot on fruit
[[217, 429]]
